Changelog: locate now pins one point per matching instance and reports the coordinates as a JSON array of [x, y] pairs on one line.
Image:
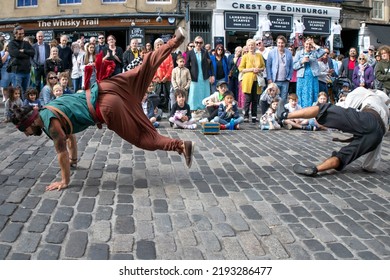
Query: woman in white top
[[89, 60]]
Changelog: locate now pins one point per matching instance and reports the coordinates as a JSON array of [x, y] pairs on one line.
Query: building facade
[[125, 19], [230, 22]]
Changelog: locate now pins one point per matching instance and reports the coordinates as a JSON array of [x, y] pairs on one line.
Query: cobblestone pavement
[[240, 200]]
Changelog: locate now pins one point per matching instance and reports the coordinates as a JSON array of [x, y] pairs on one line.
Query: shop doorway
[[350, 39], [237, 38]]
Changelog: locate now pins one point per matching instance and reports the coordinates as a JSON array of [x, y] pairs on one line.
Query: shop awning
[[379, 34]]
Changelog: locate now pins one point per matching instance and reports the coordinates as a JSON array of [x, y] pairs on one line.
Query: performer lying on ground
[[364, 113], [116, 102]]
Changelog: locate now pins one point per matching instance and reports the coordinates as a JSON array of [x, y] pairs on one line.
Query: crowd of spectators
[[255, 74]]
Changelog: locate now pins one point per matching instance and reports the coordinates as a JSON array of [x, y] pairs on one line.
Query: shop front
[[124, 28], [237, 21]]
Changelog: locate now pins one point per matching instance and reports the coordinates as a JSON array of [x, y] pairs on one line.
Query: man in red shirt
[[348, 64]]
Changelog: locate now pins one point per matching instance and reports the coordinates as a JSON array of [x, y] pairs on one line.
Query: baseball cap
[[221, 83], [345, 84], [372, 48]]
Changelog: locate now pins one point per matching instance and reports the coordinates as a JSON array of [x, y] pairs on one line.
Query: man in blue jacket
[[280, 66], [42, 52]]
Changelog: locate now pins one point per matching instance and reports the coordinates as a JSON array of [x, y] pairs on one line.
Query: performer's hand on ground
[[56, 186]]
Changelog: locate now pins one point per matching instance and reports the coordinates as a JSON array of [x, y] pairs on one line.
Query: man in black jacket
[[21, 53], [348, 64], [101, 45], [65, 53], [42, 52], [131, 53]]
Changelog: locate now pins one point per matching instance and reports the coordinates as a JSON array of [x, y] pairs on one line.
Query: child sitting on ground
[[148, 108], [292, 106], [58, 90], [228, 111], [181, 113], [13, 99], [64, 81], [322, 98], [32, 98], [213, 101], [155, 99], [271, 92], [268, 120]]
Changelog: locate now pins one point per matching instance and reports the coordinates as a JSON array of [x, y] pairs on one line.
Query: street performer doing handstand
[[115, 102], [364, 114]]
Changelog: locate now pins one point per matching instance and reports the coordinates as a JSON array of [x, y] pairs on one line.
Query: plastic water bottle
[[231, 126]]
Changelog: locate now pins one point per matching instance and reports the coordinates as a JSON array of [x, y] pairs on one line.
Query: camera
[[159, 19]]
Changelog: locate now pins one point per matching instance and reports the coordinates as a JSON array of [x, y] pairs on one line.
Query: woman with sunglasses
[[202, 74], [190, 47], [220, 64], [46, 94], [363, 74]]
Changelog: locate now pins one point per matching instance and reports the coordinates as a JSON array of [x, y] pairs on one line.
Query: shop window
[[377, 9], [27, 3], [113, 1], [65, 2]]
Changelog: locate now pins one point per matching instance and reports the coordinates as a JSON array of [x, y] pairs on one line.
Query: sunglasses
[[51, 78], [361, 58], [191, 46], [258, 44], [326, 53], [101, 37], [197, 42], [219, 49]]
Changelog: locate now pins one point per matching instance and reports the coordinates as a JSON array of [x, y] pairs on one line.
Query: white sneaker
[[175, 126], [204, 120], [191, 126]]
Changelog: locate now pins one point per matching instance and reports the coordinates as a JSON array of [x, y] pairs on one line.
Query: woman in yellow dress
[[252, 66]]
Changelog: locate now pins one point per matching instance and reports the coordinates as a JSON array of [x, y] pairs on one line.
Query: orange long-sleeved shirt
[[165, 70]]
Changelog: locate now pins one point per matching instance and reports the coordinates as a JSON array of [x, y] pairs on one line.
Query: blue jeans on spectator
[[226, 122], [22, 80], [233, 86], [323, 87], [283, 87], [77, 83]]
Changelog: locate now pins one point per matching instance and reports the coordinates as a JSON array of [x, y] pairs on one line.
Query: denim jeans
[[22, 80], [283, 87], [226, 122], [77, 83]]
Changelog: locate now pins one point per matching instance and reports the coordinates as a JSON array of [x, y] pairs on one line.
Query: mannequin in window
[[336, 32], [298, 28], [265, 27]]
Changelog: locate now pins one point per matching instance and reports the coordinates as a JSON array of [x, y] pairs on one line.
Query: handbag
[[260, 79]]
